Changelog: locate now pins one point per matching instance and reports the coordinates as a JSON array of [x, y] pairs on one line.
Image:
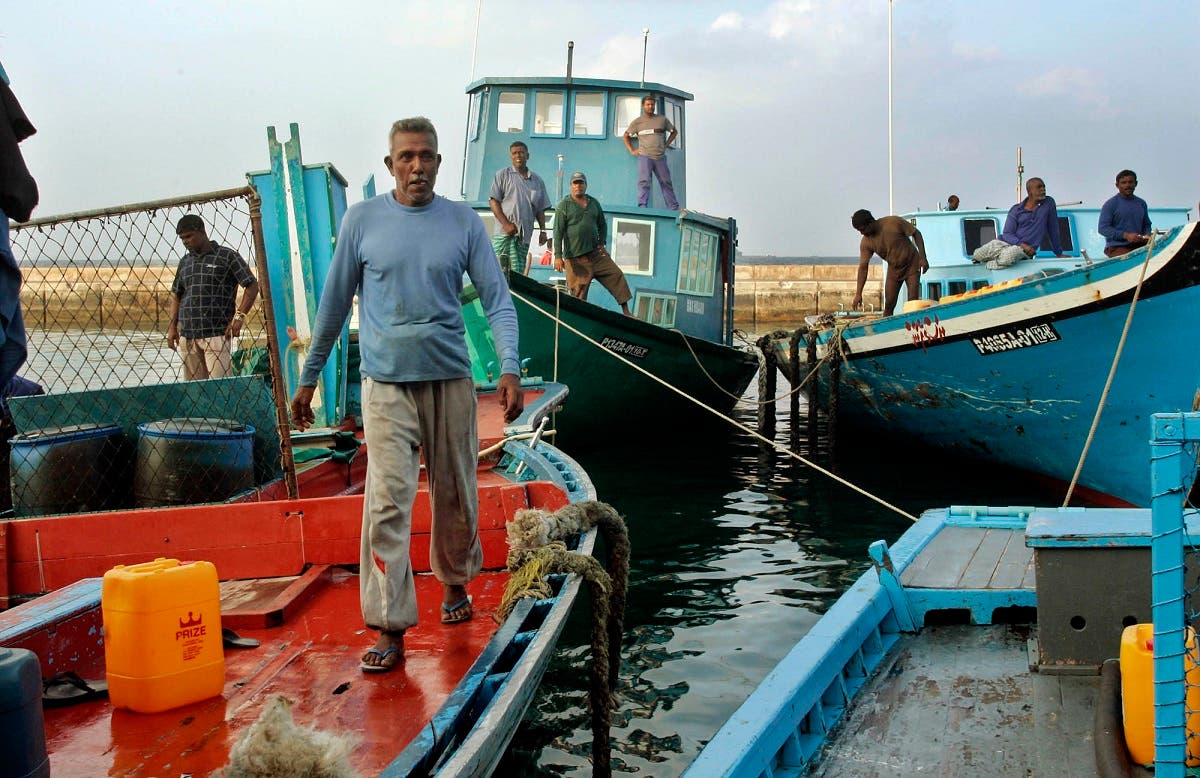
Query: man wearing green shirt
[[579, 236]]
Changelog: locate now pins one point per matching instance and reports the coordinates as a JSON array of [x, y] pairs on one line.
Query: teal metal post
[[1170, 468]]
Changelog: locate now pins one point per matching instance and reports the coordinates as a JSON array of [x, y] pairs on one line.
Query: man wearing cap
[[518, 199], [579, 236], [204, 316], [650, 129]]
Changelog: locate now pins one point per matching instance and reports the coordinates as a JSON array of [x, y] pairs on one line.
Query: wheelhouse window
[[633, 245], [625, 110], [933, 290], [697, 261], [475, 115], [589, 115], [979, 283], [675, 114], [655, 308], [977, 232], [1065, 237], [510, 112], [956, 287], [548, 113]]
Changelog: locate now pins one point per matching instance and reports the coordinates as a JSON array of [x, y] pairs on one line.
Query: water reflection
[[737, 550]]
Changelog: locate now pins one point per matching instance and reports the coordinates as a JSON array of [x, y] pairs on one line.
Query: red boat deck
[[312, 660]]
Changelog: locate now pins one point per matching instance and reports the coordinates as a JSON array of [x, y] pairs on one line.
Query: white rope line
[[715, 412], [742, 400], [1112, 372]]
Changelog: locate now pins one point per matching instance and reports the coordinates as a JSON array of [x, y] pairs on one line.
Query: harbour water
[[737, 550]]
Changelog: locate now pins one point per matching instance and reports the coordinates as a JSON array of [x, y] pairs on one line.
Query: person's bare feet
[[386, 654]]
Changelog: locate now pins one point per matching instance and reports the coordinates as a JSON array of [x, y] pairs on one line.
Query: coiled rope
[[781, 449], [536, 550]]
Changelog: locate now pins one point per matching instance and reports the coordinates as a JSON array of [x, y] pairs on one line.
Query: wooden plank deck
[[973, 558], [961, 701]]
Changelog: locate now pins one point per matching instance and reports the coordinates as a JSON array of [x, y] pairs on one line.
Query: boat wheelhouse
[[679, 264]]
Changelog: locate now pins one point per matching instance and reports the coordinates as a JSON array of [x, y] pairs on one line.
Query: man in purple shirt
[[1124, 218], [1028, 222]]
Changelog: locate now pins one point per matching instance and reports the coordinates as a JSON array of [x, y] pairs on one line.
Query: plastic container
[[69, 469], [917, 305], [162, 634], [22, 730], [1137, 693], [186, 461]]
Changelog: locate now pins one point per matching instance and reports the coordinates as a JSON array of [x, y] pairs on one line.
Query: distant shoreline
[[771, 259]]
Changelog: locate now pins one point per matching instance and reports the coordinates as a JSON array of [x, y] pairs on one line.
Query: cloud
[[986, 54], [730, 20], [1075, 83], [784, 19]]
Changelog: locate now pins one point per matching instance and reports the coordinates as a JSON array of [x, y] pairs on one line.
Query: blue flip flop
[[383, 667], [462, 607]]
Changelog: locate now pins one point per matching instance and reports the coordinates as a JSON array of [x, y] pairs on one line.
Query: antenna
[[1020, 176], [570, 59], [475, 46], [645, 45]]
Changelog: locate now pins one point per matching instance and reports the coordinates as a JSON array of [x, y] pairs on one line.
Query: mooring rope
[[1112, 372], [742, 400], [781, 449], [536, 549]]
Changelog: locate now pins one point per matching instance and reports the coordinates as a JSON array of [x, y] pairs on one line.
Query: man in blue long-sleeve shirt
[[1124, 218], [1028, 222], [404, 253]]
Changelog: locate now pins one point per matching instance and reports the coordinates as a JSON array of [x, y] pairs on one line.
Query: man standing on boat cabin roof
[[518, 198], [1124, 218], [650, 129], [404, 253], [1028, 222], [892, 238], [205, 314]]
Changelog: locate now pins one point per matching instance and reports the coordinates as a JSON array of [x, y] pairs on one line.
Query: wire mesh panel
[[102, 417]]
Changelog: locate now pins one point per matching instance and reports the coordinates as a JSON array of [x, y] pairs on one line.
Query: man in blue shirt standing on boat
[[1124, 218], [1028, 222], [404, 254], [518, 199]]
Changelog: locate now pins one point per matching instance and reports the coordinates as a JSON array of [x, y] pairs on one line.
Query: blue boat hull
[[1014, 376]]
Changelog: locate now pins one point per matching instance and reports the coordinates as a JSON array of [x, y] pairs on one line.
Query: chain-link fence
[[100, 417]]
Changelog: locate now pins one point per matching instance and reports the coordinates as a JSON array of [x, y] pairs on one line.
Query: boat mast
[[891, 142]]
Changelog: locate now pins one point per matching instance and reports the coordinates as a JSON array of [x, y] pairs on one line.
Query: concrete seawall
[[770, 294]]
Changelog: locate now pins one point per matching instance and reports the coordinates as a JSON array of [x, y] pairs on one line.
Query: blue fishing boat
[[983, 643], [1011, 366], [679, 264]]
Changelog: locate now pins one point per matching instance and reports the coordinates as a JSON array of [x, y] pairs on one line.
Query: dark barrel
[[70, 469], [185, 461], [22, 732]]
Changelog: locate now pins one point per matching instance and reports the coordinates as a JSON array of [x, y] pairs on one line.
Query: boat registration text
[[1015, 338], [624, 348]]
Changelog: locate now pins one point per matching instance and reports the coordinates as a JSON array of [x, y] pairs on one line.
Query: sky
[[788, 133]]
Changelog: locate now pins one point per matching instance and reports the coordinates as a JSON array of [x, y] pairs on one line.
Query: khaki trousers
[[205, 358], [398, 420]]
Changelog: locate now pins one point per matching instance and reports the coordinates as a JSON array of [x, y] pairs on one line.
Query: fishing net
[[100, 417]]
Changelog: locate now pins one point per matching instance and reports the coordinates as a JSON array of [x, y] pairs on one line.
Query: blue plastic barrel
[[187, 461], [70, 469], [22, 729]]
